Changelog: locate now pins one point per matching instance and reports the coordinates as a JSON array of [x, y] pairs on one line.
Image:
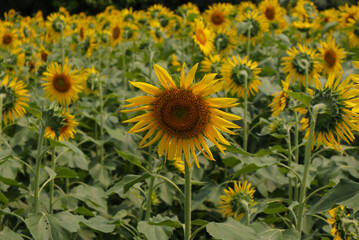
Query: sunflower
[[274, 14], [182, 117], [65, 131], [245, 7], [354, 32], [91, 77], [225, 40], [115, 31], [175, 63], [326, 16], [258, 24], [340, 117], [234, 72], [332, 57], [211, 63], [8, 38], [305, 10], [129, 31], [62, 84], [157, 32], [280, 100], [14, 100], [338, 230], [346, 13], [57, 24], [42, 54], [298, 61], [203, 37], [216, 16], [232, 203]]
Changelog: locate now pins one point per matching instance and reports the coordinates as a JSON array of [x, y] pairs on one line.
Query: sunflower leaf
[[303, 98], [231, 229]]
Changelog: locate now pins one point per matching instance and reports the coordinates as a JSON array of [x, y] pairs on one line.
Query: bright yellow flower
[[66, 131], [203, 37], [280, 100]]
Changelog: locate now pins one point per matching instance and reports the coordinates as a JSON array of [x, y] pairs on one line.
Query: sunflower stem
[[38, 166], [187, 204], [1, 106], [247, 213], [101, 124], [296, 153], [245, 103], [150, 53], [308, 151], [249, 41], [52, 183], [62, 47], [290, 189], [149, 199]]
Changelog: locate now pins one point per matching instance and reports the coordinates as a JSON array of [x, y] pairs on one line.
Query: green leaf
[[100, 173], [51, 172], [254, 163], [341, 194], [119, 186], [33, 111], [139, 179], [235, 148], [12, 182], [129, 157], [275, 208], [70, 146], [84, 211], [93, 196], [64, 172], [7, 234], [153, 232], [3, 198], [231, 230], [301, 97], [99, 223], [199, 222], [168, 223]]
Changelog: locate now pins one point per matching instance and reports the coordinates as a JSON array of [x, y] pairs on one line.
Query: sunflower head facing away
[[14, 99], [280, 100], [61, 84], [340, 117], [182, 117], [339, 229], [235, 71], [232, 204]]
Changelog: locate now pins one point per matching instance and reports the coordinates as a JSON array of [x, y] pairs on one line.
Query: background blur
[[29, 7]]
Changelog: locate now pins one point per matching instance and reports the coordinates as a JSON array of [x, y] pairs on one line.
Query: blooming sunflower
[[354, 32], [258, 24], [15, 99], [274, 14], [232, 202], [346, 13], [332, 57], [62, 84], [234, 72], [216, 16], [42, 54], [280, 100], [225, 40], [181, 117], [65, 131], [56, 23], [245, 7], [295, 65], [211, 63], [338, 228], [115, 31], [340, 117], [203, 37], [91, 77], [8, 38]]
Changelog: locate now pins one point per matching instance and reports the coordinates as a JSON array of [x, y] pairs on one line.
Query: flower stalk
[[1, 106], [187, 203], [38, 166], [52, 183]]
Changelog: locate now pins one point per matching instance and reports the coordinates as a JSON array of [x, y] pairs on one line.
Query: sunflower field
[[236, 122]]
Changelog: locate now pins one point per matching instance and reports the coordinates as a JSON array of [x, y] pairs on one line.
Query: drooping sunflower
[[66, 129], [332, 57], [258, 23], [274, 14], [90, 83], [354, 32], [211, 63], [305, 10], [56, 25], [340, 117], [203, 37], [338, 230], [245, 7], [225, 40], [62, 84], [298, 61], [280, 100], [234, 72], [232, 202], [181, 117], [217, 16], [14, 100]]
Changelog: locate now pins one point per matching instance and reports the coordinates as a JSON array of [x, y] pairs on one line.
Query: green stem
[[245, 103], [247, 213], [38, 166], [101, 124], [249, 41], [1, 106], [62, 47], [308, 151], [150, 54], [187, 204], [52, 183], [290, 192], [296, 154], [149, 199]]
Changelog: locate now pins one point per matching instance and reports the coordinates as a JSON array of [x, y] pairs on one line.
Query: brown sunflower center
[[61, 83], [44, 56], [7, 38], [181, 113], [82, 33], [330, 57], [270, 13], [116, 32], [30, 64], [350, 16], [217, 18], [201, 37]]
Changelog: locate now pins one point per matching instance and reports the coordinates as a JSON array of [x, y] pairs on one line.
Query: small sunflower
[[258, 24], [332, 57], [280, 100], [42, 54], [203, 37], [8, 38], [347, 13], [234, 72], [216, 16], [211, 63], [57, 24], [91, 77], [66, 129], [338, 230], [274, 14], [62, 84], [245, 7], [354, 32], [298, 61], [340, 117], [115, 32], [182, 117], [232, 202], [15, 99], [225, 40]]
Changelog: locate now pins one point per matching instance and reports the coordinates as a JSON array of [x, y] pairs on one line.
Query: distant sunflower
[[232, 202], [66, 130], [332, 57], [274, 14], [216, 16], [115, 31], [338, 230], [280, 100], [42, 54], [203, 37], [340, 117], [347, 13], [8, 38], [56, 24], [295, 65], [233, 72], [354, 32], [15, 99], [182, 117], [211, 63], [258, 23], [245, 7], [225, 40], [91, 79], [62, 84]]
